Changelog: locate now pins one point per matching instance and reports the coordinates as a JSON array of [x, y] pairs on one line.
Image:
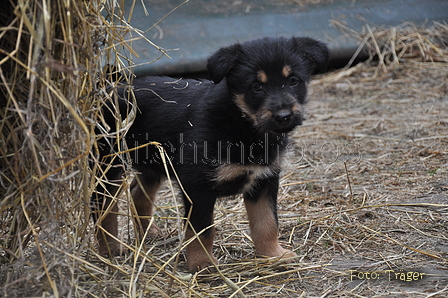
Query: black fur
[[224, 136]]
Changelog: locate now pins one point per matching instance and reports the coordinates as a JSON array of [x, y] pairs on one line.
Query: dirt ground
[[380, 142]]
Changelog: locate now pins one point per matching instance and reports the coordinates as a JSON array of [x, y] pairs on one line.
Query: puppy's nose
[[283, 117]]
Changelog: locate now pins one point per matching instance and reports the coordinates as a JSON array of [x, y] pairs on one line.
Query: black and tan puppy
[[223, 137]]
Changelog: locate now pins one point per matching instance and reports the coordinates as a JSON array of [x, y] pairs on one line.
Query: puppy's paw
[[288, 254], [197, 262], [278, 257], [110, 249], [276, 252], [154, 232]]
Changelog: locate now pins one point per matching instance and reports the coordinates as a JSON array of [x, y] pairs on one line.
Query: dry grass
[[52, 85], [364, 186]]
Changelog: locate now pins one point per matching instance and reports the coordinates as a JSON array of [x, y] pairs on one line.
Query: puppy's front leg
[[199, 251], [261, 207]]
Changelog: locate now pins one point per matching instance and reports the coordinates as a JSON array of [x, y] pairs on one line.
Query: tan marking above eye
[[262, 76], [286, 71]]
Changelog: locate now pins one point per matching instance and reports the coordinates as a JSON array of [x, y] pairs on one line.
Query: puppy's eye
[[293, 81], [257, 87]]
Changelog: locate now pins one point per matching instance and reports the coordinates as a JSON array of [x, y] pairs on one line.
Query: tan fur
[[197, 257], [259, 117], [264, 229], [297, 108], [229, 172], [286, 71], [239, 101], [264, 115], [262, 77], [143, 201], [107, 244]]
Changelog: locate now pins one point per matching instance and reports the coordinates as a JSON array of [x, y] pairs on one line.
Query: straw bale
[[52, 85]]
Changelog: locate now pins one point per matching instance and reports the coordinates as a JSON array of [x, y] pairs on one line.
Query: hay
[[364, 189], [389, 46], [52, 85]]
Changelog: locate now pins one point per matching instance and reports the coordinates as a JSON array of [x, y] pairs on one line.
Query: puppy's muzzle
[[283, 117]]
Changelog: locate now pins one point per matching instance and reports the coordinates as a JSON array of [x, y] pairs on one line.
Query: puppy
[[223, 137]]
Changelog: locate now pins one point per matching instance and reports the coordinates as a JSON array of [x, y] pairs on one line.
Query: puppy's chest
[[231, 179]]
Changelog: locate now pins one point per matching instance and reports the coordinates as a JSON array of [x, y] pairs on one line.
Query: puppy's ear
[[221, 62], [315, 52]]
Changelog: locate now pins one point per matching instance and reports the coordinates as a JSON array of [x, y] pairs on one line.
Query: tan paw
[[110, 249], [287, 254], [200, 261], [154, 232], [276, 252]]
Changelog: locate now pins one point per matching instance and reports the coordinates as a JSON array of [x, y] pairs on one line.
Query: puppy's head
[[268, 78]]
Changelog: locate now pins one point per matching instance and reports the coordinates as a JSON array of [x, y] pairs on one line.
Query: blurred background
[[195, 29]]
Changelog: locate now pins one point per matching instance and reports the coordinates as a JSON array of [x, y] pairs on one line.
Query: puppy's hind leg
[[143, 191], [105, 212]]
